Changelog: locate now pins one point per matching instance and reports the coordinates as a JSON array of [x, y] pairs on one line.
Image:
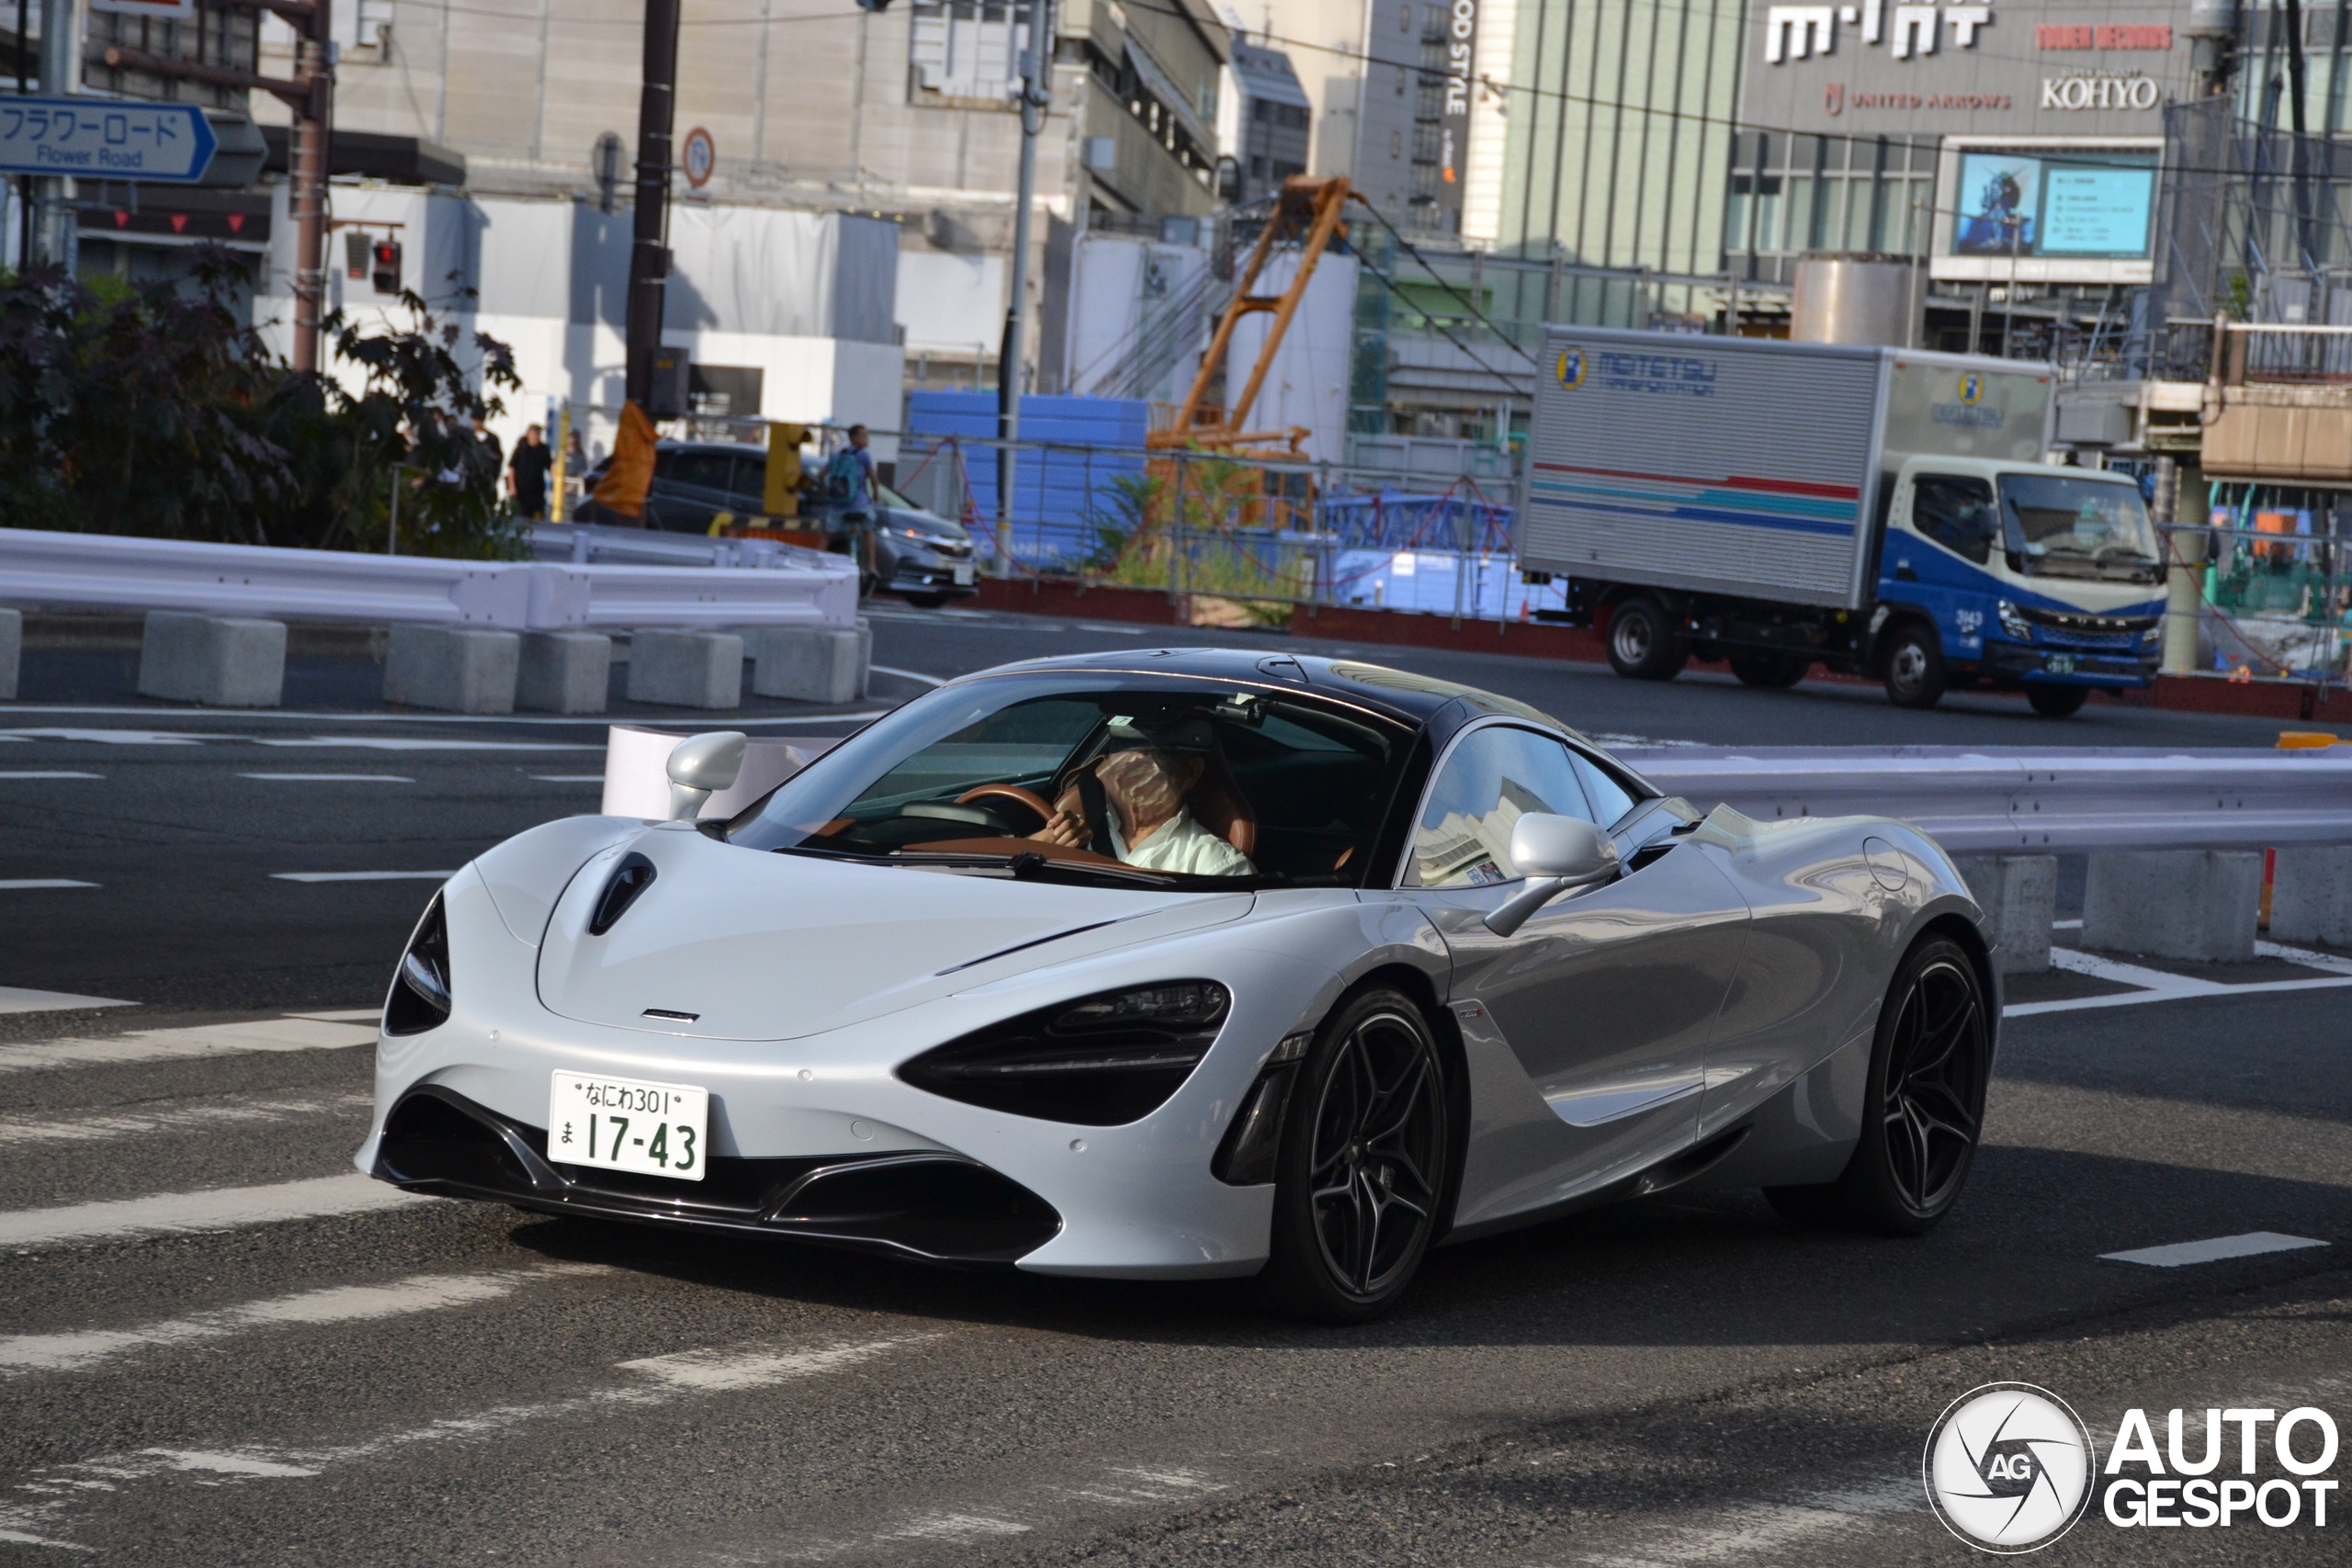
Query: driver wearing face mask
[[1146, 782]]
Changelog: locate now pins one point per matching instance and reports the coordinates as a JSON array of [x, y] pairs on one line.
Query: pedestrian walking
[[527, 475], [849, 478]]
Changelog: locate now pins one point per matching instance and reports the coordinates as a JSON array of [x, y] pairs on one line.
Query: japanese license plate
[[2059, 663], [962, 575], [656, 1129]]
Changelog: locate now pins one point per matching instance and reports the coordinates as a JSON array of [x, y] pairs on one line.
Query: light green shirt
[[1182, 845]]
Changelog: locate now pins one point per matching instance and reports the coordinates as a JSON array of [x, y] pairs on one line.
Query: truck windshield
[[2064, 526]]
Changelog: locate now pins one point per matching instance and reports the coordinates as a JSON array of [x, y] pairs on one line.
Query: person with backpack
[[849, 478]]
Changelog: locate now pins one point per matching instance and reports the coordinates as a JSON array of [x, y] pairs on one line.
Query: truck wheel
[[1915, 668], [1643, 642], [2057, 702], [1757, 669]]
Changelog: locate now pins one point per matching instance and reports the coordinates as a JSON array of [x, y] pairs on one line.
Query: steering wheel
[[1028, 798]]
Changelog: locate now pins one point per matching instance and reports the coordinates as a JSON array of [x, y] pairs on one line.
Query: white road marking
[[2067, 925], [34, 884], [221, 1208], [957, 1530], [2156, 985], [118, 737], [332, 778], [2250, 1244], [96, 1129], [909, 674], [361, 875], [2304, 956], [17, 999], [410, 743], [45, 773], [1749, 1532], [570, 778], [203, 1039], [26, 1353], [343, 1015], [60, 1492], [281, 713]]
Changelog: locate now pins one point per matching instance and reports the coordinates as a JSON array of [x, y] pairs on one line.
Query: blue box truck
[[1882, 511]]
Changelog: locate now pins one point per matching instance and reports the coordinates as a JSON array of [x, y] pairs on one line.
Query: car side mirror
[[1555, 854], [701, 767]]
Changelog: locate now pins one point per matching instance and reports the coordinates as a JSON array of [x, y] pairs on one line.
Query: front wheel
[[1915, 668], [2057, 702], [1644, 643], [1366, 1142], [1924, 1109]]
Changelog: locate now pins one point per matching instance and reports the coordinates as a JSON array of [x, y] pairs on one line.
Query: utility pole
[[1036, 92], [314, 79], [55, 229], [649, 256]]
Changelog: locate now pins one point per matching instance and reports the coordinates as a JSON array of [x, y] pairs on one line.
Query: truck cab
[[2016, 576]]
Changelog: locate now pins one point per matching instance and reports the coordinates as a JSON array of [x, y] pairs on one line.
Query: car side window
[[1610, 798], [1956, 511], [751, 484], [1494, 777], [703, 470]]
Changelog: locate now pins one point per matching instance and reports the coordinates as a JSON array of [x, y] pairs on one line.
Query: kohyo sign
[[1920, 68]]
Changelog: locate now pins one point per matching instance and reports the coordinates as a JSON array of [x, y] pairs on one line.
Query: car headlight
[[1099, 1061], [2014, 621], [914, 537], [420, 999], [2153, 636]]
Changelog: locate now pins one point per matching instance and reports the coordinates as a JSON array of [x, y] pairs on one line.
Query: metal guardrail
[[2028, 800], [597, 544], [804, 588]]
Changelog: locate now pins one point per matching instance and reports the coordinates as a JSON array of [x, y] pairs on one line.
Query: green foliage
[[158, 410]]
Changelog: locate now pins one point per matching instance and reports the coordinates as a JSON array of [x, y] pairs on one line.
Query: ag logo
[[1571, 368], [1972, 388], [2008, 1467]]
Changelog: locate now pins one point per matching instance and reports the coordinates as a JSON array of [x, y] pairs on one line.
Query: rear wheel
[[1757, 668], [1924, 1108], [1915, 668], [1366, 1144], [2057, 702], [1644, 644]]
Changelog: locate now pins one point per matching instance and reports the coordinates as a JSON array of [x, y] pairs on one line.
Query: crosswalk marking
[[30, 883], [223, 1208], [2181, 1253], [19, 998], [361, 875], [202, 1040], [97, 1129], [26, 1353]]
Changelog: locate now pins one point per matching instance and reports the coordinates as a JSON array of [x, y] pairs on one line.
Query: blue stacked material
[[1058, 492], [1391, 521]]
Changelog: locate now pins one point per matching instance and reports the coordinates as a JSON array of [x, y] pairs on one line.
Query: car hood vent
[[775, 946]]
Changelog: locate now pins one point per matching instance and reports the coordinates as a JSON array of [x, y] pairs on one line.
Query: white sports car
[[1185, 964]]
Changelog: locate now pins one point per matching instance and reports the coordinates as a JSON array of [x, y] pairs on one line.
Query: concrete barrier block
[[12, 648], [2019, 897], [690, 669], [223, 661], [812, 664], [2311, 894], [564, 672], [453, 669], [2199, 904]]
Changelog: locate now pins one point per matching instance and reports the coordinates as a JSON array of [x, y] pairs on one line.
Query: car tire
[[1915, 667], [1757, 668], [925, 600], [1360, 1182], [1644, 642], [2057, 702], [1924, 1109]]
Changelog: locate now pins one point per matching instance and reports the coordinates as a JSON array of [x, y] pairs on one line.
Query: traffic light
[[355, 255], [386, 267]]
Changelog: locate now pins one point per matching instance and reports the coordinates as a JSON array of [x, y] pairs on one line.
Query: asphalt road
[[216, 1350]]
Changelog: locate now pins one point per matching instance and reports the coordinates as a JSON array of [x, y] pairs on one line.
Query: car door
[[697, 491], [1606, 998], [1944, 533]]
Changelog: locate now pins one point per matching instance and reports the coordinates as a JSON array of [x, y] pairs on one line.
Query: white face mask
[[1145, 788]]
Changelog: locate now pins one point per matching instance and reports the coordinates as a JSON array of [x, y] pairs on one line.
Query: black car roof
[[1403, 695]]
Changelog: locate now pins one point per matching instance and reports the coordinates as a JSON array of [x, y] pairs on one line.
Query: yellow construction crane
[[1308, 211]]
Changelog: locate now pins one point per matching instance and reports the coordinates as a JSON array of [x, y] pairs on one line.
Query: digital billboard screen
[[2086, 205]]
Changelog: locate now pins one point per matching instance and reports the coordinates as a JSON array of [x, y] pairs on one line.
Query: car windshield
[[2078, 527], [1077, 776]]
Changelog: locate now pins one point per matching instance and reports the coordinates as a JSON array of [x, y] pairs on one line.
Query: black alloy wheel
[[2057, 702], [1644, 642], [1756, 667], [1361, 1179], [1915, 667], [1928, 1068]]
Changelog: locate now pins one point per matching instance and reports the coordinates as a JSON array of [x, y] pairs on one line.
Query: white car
[[1189, 964]]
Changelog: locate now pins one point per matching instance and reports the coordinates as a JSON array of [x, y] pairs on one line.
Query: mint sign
[[104, 138]]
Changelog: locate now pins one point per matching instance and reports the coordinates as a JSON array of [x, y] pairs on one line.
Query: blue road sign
[[104, 138]]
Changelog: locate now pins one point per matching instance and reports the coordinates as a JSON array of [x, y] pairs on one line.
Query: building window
[[1396, 144], [968, 48]]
